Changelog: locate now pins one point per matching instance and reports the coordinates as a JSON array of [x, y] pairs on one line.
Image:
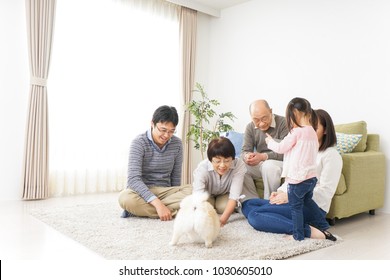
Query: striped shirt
[[151, 166]]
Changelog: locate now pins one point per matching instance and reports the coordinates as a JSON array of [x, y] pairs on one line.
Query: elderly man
[[260, 161]]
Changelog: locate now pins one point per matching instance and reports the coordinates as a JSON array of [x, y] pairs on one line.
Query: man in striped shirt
[[154, 170]]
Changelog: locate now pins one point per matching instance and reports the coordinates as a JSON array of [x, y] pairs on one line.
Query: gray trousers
[[271, 172]]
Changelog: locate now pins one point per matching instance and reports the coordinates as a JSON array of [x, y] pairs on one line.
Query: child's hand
[[269, 138]]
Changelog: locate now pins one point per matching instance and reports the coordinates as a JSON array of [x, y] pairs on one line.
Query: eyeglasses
[[224, 161], [264, 119], [164, 130]]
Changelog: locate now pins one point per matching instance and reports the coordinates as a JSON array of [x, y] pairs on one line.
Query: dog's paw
[[208, 244], [172, 243]]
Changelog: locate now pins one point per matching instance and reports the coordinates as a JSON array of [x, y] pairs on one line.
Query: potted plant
[[203, 112]]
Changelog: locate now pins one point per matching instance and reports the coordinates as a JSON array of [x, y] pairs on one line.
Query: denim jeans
[[275, 218], [300, 196]]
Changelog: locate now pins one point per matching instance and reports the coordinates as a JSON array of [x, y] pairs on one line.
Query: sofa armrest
[[365, 173]]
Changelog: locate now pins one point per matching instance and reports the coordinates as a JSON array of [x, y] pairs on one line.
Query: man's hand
[[253, 159], [163, 212]]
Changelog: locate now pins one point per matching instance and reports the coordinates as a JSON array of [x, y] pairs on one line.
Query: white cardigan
[[329, 165]]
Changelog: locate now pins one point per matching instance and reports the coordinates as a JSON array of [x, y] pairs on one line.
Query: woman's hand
[[278, 198], [229, 209], [223, 219]]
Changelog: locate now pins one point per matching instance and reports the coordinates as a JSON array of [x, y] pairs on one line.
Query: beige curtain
[[40, 23], [188, 21]]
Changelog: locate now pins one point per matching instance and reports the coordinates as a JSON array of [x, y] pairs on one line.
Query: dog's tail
[[200, 196]]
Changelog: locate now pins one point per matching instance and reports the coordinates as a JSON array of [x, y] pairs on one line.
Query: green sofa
[[362, 183]]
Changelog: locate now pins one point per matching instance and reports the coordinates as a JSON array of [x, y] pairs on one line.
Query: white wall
[[14, 75], [335, 53]]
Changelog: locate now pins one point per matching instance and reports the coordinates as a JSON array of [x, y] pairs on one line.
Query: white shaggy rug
[[99, 227]]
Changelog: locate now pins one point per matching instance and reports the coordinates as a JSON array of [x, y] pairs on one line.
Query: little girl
[[300, 149]]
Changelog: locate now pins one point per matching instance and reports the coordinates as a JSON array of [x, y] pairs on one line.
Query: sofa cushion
[[237, 139], [347, 142], [359, 127]]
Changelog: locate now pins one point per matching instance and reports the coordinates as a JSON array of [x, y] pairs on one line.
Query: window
[[112, 65]]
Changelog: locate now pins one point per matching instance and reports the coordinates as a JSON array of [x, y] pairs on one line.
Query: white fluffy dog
[[198, 219]]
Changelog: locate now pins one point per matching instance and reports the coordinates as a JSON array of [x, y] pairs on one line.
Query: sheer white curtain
[[113, 64]]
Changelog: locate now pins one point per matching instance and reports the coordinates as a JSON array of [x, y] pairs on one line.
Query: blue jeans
[[300, 196], [275, 218]]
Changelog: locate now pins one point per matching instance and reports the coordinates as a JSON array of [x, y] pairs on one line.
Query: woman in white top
[[274, 215], [222, 176]]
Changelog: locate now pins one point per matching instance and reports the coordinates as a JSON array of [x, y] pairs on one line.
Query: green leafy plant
[[203, 113]]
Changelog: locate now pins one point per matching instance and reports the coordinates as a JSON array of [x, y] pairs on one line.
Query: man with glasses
[[154, 170], [260, 161]]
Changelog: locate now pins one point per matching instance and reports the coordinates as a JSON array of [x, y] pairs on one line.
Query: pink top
[[300, 148]]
